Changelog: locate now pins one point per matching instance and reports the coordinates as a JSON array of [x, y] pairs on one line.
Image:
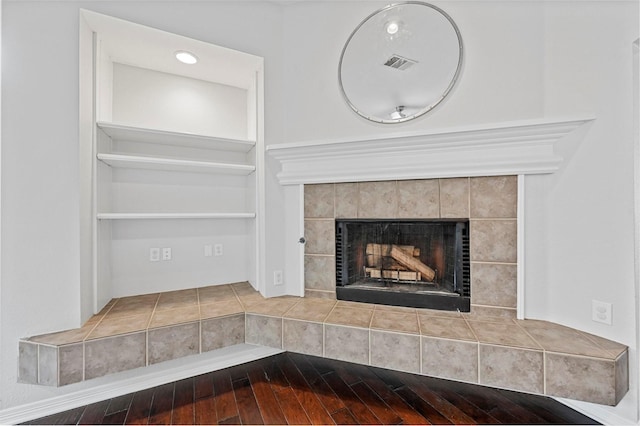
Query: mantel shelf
[[139, 134], [524, 147], [138, 216], [170, 164]]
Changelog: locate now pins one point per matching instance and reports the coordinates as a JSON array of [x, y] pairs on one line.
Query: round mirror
[[400, 62]]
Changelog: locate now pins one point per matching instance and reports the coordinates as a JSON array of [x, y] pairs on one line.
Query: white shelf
[[139, 134], [176, 165], [137, 216]]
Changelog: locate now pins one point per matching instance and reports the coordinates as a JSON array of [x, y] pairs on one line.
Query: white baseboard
[[139, 379], [600, 413]]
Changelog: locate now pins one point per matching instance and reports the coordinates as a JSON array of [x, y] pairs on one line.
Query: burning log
[[412, 263]]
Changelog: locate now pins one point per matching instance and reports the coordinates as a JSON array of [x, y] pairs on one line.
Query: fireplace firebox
[[413, 263]]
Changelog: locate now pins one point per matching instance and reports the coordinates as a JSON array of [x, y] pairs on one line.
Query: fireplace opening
[[413, 263]]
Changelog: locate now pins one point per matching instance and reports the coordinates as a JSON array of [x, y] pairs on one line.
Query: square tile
[[318, 200], [494, 284], [581, 378], [350, 316], [346, 343], [557, 338], [406, 322], [162, 318], [311, 309], [504, 367], [450, 359], [71, 364], [274, 306], [454, 198], [47, 365], [419, 199], [177, 299], [346, 200], [243, 289], [222, 332], [378, 200], [320, 294], [220, 309], [115, 325], [448, 328], [303, 337], [503, 333], [396, 351], [320, 236], [319, 272], [114, 354], [173, 342], [216, 293], [27, 362], [264, 330], [494, 197], [490, 313], [493, 241], [134, 305]]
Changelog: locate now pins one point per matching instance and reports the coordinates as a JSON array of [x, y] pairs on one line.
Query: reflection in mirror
[[400, 62]]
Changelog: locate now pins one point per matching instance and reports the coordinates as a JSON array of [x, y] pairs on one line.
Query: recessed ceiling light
[[186, 57], [392, 27]]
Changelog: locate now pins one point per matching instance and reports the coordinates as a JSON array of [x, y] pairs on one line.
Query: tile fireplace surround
[[490, 204]]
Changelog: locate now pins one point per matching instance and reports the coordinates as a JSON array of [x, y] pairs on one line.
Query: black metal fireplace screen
[[414, 263]]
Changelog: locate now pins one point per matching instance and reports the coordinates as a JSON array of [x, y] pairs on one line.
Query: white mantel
[[513, 148]]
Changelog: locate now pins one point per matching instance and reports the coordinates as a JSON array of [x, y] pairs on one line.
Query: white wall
[[40, 186], [157, 100]]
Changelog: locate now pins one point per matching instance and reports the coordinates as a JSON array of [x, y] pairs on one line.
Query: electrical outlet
[[601, 312], [154, 254], [217, 250], [278, 278], [208, 250], [166, 253]]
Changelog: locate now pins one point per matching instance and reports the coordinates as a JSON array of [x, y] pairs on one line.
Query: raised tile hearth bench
[[524, 355]]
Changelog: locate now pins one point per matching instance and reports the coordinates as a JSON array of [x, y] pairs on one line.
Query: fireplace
[[413, 263]]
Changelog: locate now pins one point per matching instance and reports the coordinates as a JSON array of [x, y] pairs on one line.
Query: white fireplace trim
[[514, 148]]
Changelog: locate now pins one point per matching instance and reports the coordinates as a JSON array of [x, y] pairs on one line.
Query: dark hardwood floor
[[298, 389]]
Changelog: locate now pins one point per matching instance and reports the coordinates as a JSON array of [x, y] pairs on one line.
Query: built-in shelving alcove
[[175, 159]]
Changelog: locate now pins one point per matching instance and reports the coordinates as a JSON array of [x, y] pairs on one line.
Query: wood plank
[[381, 410], [344, 417], [116, 418], [444, 407], [291, 408], [313, 407], [422, 407], [119, 403], [162, 405], [359, 410], [479, 415], [323, 391], [266, 399], [205, 411], [225, 399], [183, 409], [203, 386], [397, 404], [140, 407], [248, 409], [230, 421], [94, 413]]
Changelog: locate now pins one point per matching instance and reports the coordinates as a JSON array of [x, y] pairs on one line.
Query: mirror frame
[[428, 107]]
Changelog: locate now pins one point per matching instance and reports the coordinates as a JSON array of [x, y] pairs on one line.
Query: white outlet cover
[[601, 312], [166, 253], [154, 254]]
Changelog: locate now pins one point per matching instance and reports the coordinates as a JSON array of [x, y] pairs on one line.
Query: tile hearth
[[524, 355]]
